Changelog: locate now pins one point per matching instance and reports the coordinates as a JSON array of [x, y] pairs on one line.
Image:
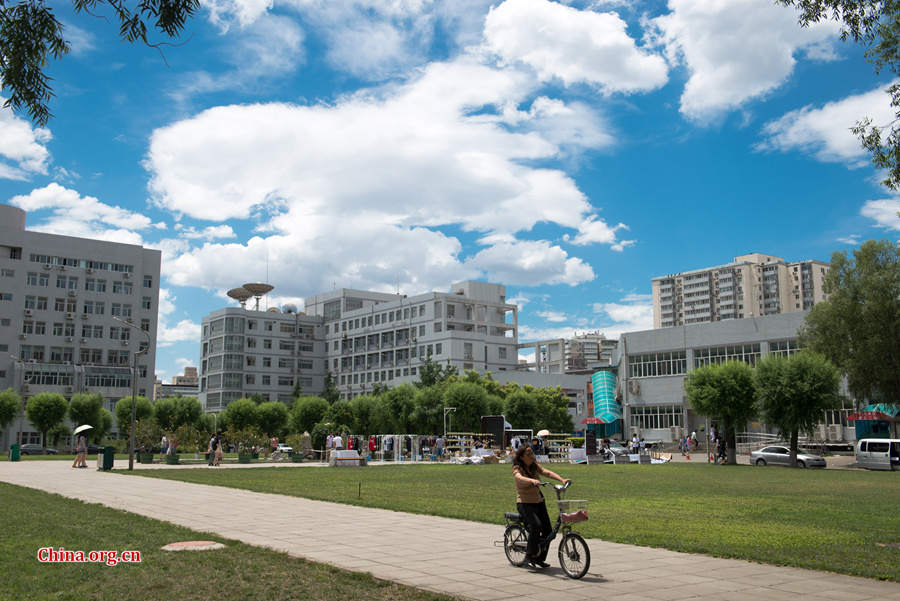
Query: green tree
[[794, 391], [103, 427], [307, 412], [521, 410], [85, 408], [470, 401], [188, 410], [428, 410], [296, 392], [164, 413], [496, 405], [725, 392], [60, 430], [331, 392], [365, 414], [341, 415], [241, 414], [432, 373], [272, 418], [10, 401], [400, 403], [46, 410], [31, 34], [876, 25], [142, 410], [858, 327], [552, 410], [258, 398]]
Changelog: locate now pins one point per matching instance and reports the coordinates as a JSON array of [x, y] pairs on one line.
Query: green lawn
[[31, 520], [822, 519]]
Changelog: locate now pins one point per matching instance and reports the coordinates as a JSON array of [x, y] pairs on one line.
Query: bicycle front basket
[[573, 510]]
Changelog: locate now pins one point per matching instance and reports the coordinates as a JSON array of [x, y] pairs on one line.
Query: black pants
[[537, 522]]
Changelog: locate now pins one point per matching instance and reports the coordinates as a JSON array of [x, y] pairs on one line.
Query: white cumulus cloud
[[83, 216], [825, 131], [23, 150], [734, 50], [574, 46], [885, 212]]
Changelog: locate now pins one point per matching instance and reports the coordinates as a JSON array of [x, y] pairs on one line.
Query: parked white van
[[878, 453]]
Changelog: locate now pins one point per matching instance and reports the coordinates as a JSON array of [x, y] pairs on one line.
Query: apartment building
[[568, 355], [73, 312], [363, 338], [752, 285]]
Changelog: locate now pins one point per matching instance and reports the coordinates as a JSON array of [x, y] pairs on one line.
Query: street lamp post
[[134, 376]]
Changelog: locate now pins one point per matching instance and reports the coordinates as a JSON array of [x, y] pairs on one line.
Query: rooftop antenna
[[258, 290], [241, 295]]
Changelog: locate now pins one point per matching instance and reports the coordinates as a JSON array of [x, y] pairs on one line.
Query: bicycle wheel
[[515, 544], [574, 555]]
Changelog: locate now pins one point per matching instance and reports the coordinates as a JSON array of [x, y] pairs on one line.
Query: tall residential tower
[[751, 286]]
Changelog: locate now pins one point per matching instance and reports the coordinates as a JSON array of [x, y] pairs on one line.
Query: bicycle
[[574, 555]]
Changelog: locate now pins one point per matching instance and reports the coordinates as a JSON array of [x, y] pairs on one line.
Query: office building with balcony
[[363, 338], [752, 285], [73, 312]]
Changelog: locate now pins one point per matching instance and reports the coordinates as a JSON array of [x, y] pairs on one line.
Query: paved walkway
[[438, 554]]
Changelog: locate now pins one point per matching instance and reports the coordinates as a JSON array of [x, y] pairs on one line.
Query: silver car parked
[[777, 455]]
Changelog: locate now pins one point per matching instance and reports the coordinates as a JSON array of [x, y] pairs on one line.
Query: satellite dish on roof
[[241, 295], [289, 308], [273, 310], [258, 290]]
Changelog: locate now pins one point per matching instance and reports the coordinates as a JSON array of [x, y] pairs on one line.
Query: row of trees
[[409, 408], [789, 393], [47, 411]]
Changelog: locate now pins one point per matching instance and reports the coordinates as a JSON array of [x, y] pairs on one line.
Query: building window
[[267, 361], [146, 302], [656, 417], [502, 352], [783, 348], [651, 365], [716, 355], [266, 380], [32, 279], [148, 281]]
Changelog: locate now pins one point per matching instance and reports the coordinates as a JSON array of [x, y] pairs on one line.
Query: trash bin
[[109, 454], [14, 452]]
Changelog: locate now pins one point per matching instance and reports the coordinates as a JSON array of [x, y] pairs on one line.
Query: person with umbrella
[[81, 446]]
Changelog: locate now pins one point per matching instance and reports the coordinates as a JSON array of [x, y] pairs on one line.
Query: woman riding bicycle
[[530, 503]]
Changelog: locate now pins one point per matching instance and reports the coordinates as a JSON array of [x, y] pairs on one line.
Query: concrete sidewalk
[[438, 554]]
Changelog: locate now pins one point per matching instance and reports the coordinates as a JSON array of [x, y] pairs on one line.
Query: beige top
[[527, 490]]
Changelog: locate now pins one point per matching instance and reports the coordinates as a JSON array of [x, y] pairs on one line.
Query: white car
[[284, 448]]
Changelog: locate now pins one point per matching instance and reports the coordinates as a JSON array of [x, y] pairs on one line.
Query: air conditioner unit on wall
[[69, 339], [124, 343], [28, 311], [46, 265], [835, 432], [70, 316], [84, 316], [126, 275], [72, 293], [634, 387]]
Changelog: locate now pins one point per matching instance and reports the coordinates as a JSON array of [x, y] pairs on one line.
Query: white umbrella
[[543, 433], [81, 429]]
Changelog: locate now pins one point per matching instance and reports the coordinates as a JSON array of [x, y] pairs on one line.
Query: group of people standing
[[215, 450]]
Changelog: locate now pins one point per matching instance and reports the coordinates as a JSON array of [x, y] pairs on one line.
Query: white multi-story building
[[362, 338], [63, 301], [751, 286], [581, 352]]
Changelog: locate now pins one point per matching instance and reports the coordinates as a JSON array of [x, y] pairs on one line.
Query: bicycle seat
[[512, 517]]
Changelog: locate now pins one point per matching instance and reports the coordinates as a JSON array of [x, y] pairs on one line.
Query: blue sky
[[570, 150]]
